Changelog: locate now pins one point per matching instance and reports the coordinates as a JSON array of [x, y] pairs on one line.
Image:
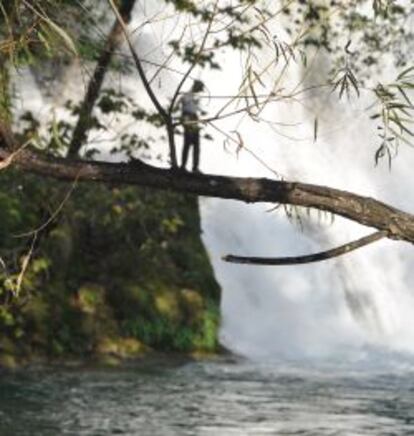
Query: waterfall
[[341, 307]]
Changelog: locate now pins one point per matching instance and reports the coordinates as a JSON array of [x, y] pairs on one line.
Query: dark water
[[166, 397]]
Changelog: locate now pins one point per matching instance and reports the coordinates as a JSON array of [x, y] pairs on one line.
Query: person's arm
[[200, 110]]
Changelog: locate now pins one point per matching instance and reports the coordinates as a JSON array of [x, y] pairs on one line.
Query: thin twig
[[9, 159], [193, 65], [54, 214], [163, 113], [25, 264]]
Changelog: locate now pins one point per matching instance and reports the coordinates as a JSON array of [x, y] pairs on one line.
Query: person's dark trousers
[[191, 139]]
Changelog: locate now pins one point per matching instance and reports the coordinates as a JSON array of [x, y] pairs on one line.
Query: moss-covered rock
[[118, 272], [121, 347]]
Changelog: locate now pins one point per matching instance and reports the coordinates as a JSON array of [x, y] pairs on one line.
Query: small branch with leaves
[[345, 81], [395, 115]]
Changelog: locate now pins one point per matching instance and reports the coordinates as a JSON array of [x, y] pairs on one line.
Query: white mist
[[342, 308]]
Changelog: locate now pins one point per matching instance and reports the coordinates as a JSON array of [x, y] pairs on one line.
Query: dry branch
[[309, 258]]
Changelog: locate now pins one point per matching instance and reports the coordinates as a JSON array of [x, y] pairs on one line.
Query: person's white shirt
[[189, 104]]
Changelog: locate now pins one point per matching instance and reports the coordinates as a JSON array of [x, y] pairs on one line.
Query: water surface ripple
[[169, 397]]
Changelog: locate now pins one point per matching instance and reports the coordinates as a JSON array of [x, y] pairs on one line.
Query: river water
[[221, 397]]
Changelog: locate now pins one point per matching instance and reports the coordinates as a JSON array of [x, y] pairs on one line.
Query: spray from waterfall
[[341, 307]]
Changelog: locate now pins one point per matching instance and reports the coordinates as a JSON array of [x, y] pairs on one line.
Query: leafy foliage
[[103, 268], [395, 114], [345, 81]]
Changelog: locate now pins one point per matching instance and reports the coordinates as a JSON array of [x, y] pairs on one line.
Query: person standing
[[190, 108]]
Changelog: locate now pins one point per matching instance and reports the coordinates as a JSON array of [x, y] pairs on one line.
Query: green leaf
[[344, 87], [405, 72], [63, 34], [354, 81], [404, 94]]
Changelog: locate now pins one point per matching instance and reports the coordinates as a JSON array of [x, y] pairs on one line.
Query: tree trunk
[[113, 41]]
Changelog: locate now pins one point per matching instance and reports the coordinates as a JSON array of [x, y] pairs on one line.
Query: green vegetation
[[116, 273]]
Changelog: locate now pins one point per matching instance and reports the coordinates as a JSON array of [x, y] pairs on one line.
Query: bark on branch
[[399, 225], [309, 258]]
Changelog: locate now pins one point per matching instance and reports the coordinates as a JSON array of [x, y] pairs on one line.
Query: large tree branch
[[95, 84], [399, 225], [309, 258]]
